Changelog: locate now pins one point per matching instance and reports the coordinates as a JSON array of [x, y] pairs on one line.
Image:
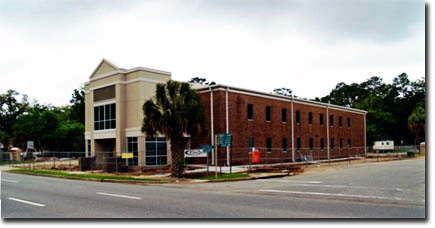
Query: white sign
[[29, 144], [194, 153]]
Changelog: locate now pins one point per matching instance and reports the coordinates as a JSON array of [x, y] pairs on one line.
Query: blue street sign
[[226, 140], [207, 148]]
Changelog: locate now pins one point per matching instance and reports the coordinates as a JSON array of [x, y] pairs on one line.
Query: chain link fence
[[113, 162]]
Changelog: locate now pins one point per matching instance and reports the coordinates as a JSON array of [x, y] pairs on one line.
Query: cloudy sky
[[50, 47]]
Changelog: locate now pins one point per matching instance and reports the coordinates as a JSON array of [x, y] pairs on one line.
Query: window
[[348, 143], [269, 144], [105, 117], [268, 113], [340, 121], [331, 120], [298, 117], [132, 148], [250, 111], [284, 144], [156, 151], [89, 148], [310, 118], [311, 144], [284, 115], [250, 143], [348, 122], [332, 144], [321, 119], [298, 144], [322, 143], [341, 143]]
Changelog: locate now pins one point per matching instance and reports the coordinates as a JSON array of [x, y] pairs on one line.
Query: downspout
[[293, 131], [227, 124], [211, 122], [365, 140], [327, 130]]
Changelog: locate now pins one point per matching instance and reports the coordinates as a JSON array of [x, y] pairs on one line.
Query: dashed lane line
[[116, 195], [292, 181], [323, 194], [13, 181], [27, 202]]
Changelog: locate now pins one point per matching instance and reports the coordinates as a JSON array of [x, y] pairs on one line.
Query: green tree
[[201, 81], [283, 91], [416, 123], [10, 110], [69, 136], [174, 111], [77, 111], [39, 124]]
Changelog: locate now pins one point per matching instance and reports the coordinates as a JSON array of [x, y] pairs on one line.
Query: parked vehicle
[[383, 146]]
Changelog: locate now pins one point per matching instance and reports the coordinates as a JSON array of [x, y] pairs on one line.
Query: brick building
[[283, 128]]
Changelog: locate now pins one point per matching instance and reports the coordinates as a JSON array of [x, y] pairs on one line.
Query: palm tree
[[174, 111], [416, 123]]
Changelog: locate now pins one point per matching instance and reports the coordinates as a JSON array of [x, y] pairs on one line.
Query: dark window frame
[[310, 118], [311, 143], [251, 144], [321, 119], [268, 113], [250, 111], [331, 120], [331, 146], [298, 144], [322, 144], [284, 115], [105, 117], [89, 147], [348, 122], [340, 121], [132, 147], [269, 144], [154, 144], [341, 143], [298, 117], [284, 144]]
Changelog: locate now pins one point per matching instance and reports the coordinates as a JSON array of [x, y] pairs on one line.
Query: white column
[[227, 124]]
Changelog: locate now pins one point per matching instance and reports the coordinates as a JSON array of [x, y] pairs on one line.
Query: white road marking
[[116, 195], [292, 181], [318, 184], [14, 181], [322, 185], [27, 202], [306, 182], [323, 194]]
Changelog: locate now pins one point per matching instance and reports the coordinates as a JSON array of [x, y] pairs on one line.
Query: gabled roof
[[104, 67], [108, 68]]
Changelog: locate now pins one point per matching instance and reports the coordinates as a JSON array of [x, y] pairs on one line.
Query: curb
[[249, 178], [156, 182], [96, 180]]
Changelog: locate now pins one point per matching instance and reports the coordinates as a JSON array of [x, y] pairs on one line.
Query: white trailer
[[384, 146]]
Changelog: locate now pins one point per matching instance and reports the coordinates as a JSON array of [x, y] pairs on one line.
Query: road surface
[[381, 190]]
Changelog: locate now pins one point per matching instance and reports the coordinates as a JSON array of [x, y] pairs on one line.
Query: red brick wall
[[258, 128]]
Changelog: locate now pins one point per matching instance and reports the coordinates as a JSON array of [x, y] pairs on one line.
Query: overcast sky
[[50, 47]]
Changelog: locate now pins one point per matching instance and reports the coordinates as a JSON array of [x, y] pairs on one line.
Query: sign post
[[207, 149], [226, 141]]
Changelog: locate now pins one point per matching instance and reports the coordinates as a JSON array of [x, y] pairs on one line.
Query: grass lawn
[[224, 176], [79, 176]]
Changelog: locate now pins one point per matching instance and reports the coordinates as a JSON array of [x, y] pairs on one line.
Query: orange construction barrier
[[255, 156]]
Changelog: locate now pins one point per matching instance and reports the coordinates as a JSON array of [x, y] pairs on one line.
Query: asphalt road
[[381, 190]]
